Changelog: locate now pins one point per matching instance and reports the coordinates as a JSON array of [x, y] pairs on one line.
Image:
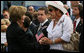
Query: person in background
[[59, 29], [44, 22], [5, 22], [29, 15], [5, 9], [77, 20], [31, 9], [73, 3], [42, 18], [81, 44], [6, 14], [32, 25], [35, 21]]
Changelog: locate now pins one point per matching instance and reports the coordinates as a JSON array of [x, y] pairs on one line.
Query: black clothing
[[78, 27], [36, 22], [19, 40], [43, 47], [81, 44]]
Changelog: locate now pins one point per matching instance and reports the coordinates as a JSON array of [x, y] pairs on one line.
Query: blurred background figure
[[73, 3], [77, 21], [6, 13], [31, 9], [5, 22], [81, 44]]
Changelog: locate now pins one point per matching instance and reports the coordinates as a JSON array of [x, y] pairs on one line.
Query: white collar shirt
[[41, 24], [44, 22], [77, 21], [56, 32]]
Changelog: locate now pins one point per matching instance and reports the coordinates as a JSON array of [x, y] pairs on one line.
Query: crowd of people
[[44, 30]]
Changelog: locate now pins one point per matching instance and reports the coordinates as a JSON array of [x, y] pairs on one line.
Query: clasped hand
[[45, 41]]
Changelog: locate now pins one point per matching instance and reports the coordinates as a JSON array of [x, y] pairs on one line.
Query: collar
[[44, 22], [77, 19]]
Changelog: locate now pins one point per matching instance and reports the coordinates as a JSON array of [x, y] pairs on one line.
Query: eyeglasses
[[50, 10]]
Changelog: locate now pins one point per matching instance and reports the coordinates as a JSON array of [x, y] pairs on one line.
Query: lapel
[[79, 24], [47, 23], [78, 28]]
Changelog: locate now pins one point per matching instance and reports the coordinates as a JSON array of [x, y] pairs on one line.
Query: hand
[[6, 44], [41, 42], [45, 40], [66, 7]]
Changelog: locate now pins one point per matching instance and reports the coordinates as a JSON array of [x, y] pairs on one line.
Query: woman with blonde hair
[[19, 36]]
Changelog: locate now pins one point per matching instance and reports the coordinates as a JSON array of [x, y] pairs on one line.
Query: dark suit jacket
[[81, 44], [78, 27], [36, 22], [44, 47], [19, 40], [44, 30]]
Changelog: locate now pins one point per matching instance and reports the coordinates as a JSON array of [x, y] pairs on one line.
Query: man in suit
[[77, 21], [81, 44], [42, 18], [44, 22]]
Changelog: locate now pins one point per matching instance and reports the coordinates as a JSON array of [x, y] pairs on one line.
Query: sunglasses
[[50, 10], [4, 15], [30, 9]]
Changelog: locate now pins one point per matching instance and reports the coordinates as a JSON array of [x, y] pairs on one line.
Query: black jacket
[[81, 44], [19, 40], [79, 27], [44, 47]]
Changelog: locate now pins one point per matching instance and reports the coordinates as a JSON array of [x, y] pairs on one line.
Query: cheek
[[22, 19], [78, 12], [73, 11], [53, 14], [39, 18]]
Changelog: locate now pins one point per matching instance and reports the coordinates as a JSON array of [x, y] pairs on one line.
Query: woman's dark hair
[[27, 22], [29, 15]]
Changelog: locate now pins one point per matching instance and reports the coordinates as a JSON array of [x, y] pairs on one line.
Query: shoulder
[[48, 22], [67, 19], [15, 27], [29, 32]]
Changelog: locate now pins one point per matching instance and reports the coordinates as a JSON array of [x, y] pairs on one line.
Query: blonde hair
[[16, 12]]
